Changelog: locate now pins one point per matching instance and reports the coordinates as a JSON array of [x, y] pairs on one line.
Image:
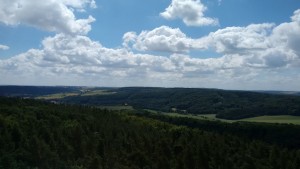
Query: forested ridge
[[37, 134], [33, 91], [226, 104], [283, 135]]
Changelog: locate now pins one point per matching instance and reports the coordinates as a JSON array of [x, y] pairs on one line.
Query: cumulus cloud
[[129, 38], [59, 16], [163, 39], [69, 56], [296, 16], [80, 4], [275, 58], [263, 45], [190, 11], [241, 40], [65, 58], [3, 47], [287, 35]]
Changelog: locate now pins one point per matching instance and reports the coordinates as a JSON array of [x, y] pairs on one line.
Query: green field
[[211, 117], [57, 96], [90, 92], [200, 116], [97, 92], [116, 107], [275, 119], [284, 119]]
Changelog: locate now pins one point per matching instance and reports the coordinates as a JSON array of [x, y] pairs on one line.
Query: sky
[[226, 44]]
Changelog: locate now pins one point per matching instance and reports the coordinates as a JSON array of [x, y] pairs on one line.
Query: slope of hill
[[226, 104], [33, 91]]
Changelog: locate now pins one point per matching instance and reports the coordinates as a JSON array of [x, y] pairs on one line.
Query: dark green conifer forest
[[41, 135]]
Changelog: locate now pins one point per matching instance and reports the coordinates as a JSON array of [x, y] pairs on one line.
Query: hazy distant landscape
[[223, 104], [209, 104]]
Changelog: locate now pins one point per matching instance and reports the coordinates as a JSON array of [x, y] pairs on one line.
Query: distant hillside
[[226, 104], [281, 92], [33, 91]]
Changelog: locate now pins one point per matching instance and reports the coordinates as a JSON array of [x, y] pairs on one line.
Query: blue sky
[[231, 44]]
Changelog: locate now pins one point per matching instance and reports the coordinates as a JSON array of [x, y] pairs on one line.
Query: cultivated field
[[283, 119], [275, 119], [57, 96], [89, 92]]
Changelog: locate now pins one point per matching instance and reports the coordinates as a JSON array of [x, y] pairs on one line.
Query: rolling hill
[[226, 104]]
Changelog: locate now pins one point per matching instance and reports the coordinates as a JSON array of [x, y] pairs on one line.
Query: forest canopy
[[36, 134]]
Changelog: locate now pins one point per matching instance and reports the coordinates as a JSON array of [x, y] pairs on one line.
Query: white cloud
[[260, 45], [52, 15], [4, 47], [190, 11], [287, 35], [129, 38], [163, 39], [80, 4], [66, 49], [241, 40], [296, 16]]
